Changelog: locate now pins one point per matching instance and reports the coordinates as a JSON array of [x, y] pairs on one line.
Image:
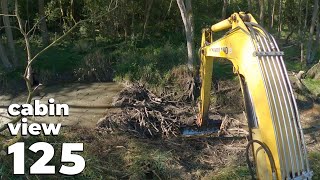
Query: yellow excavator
[[276, 137]]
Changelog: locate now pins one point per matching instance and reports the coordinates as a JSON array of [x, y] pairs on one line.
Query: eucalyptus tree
[[187, 18]]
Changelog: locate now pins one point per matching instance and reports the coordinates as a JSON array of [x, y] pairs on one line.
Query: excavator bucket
[[209, 128]]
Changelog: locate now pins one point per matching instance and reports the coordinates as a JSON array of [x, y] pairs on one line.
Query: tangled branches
[[147, 115]]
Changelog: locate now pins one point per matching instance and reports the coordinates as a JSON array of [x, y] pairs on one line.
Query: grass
[[242, 172], [291, 59], [313, 86], [146, 162], [107, 157], [293, 65], [119, 156], [314, 158], [231, 173]]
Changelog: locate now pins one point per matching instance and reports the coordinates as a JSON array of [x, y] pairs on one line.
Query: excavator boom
[[276, 135]]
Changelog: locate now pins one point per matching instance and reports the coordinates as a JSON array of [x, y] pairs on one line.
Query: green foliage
[[110, 22], [292, 58], [223, 69], [312, 85], [8, 78], [314, 158], [95, 67], [148, 64], [295, 66]]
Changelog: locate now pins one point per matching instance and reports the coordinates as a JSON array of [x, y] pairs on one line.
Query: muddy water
[[88, 102]]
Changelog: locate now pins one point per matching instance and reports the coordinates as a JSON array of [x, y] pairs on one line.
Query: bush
[[95, 67], [149, 64]]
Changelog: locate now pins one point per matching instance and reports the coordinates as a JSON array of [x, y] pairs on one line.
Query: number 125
[[40, 166]]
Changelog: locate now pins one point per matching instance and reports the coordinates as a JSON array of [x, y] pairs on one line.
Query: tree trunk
[[43, 24], [6, 22], [224, 9], [169, 9], [64, 24], [301, 52], [272, 15], [300, 19], [302, 58], [261, 16], [187, 18], [306, 16], [270, 7], [315, 47], [190, 16], [28, 73], [250, 6], [72, 11], [149, 6], [4, 58], [132, 25], [280, 19], [312, 26]]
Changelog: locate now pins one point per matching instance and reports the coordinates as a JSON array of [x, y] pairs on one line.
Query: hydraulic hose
[[267, 150]]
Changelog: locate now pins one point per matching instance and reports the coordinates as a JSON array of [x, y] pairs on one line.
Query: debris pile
[[231, 127], [148, 115]]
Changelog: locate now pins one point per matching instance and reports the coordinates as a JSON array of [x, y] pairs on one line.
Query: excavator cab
[[276, 136]]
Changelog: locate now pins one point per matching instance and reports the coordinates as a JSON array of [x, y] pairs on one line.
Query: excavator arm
[[276, 135]]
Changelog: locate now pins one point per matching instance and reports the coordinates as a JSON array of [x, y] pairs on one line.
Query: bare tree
[[311, 32], [6, 22], [187, 18], [43, 24], [261, 16], [224, 9]]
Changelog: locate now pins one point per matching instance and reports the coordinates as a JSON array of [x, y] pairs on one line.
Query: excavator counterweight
[[276, 137]]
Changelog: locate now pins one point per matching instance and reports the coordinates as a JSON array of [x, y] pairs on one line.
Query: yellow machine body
[[277, 138]]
